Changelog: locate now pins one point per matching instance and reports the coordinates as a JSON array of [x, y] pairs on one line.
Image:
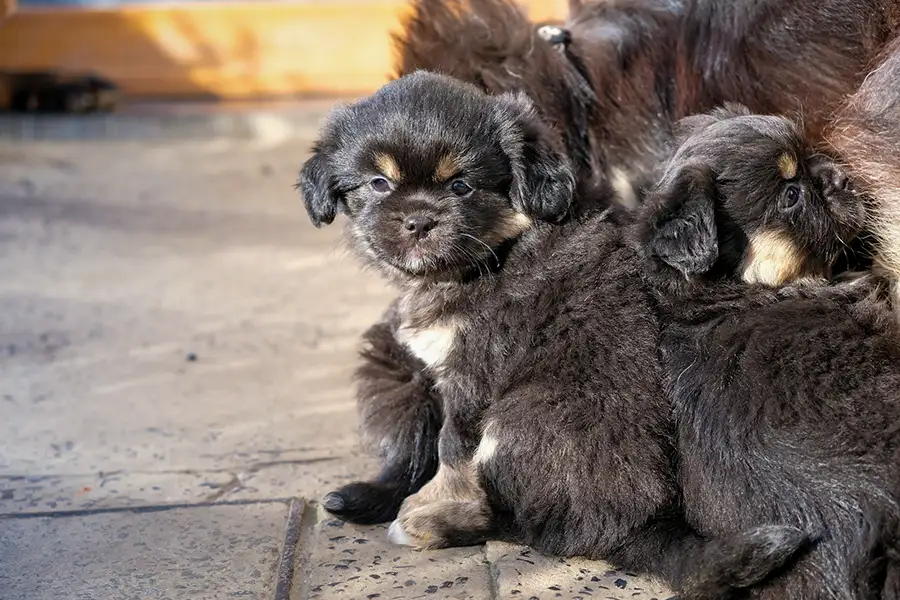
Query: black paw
[[365, 503]]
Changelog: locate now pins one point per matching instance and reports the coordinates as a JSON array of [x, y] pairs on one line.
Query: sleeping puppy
[[787, 400], [530, 313], [751, 159]]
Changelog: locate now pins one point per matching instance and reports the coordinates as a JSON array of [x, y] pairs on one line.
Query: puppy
[[530, 313], [792, 212], [787, 401], [611, 84]]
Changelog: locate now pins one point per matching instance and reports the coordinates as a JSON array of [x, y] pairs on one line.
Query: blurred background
[[205, 49]]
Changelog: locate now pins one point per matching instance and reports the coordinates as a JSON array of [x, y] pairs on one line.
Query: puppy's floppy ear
[[317, 186], [543, 182], [681, 227]]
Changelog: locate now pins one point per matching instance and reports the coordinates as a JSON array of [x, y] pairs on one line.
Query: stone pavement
[[176, 344]]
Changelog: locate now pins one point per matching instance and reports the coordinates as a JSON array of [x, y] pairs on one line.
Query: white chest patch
[[487, 447], [431, 344], [621, 183]]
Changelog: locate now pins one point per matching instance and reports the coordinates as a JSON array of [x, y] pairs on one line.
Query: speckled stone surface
[[525, 574], [203, 553], [347, 561]]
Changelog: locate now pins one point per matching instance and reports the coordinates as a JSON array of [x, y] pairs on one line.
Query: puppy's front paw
[[397, 535], [365, 502], [441, 525], [414, 531]]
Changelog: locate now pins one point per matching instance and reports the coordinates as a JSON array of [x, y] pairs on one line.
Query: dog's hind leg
[[444, 524], [400, 418]]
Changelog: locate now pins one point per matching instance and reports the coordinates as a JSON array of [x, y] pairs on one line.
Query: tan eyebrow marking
[[388, 167], [447, 167], [787, 164]]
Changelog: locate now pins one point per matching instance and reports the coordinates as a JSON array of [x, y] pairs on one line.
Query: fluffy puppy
[[463, 201], [791, 212], [787, 401]]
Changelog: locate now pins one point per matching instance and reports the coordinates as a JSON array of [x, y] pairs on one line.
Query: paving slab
[[202, 553], [347, 561], [524, 574], [32, 494]]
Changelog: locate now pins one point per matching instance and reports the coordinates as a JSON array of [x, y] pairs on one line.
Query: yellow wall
[[235, 50]]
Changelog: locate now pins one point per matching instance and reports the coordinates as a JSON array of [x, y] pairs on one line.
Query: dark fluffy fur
[[626, 71], [536, 326], [651, 62], [787, 401]]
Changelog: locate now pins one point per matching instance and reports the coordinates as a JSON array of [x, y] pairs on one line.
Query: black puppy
[[787, 401], [531, 315], [791, 212]]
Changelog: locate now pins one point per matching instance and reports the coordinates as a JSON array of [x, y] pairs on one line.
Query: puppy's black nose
[[836, 181], [418, 225]]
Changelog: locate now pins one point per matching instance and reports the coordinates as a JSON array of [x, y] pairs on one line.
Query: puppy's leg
[[400, 414], [452, 508], [444, 524]]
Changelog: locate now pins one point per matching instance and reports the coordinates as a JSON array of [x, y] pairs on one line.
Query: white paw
[[397, 535]]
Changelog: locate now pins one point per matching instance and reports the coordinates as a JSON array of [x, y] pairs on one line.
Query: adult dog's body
[[866, 135], [648, 63], [612, 92]]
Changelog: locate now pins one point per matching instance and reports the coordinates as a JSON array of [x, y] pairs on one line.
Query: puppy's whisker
[[458, 250], [491, 250]]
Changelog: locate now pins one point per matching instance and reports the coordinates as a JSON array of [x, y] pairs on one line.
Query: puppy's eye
[[460, 188], [792, 195], [380, 185]]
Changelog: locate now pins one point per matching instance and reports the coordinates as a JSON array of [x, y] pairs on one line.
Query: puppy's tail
[[400, 416], [727, 567], [712, 568], [866, 135], [493, 45]]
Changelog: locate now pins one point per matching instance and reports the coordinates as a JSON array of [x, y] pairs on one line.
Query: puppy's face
[[434, 176], [745, 195]]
